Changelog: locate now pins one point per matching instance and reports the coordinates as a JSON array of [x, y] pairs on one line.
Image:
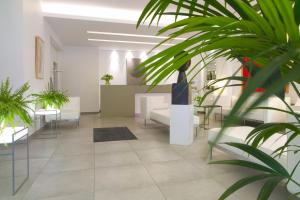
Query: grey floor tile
[[172, 171], [122, 177], [158, 155], [110, 147], [206, 189], [61, 184], [78, 196], [145, 193], [71, 167], [116, 159], [69, 163], [72, 147], [35, 167], [148, 144]]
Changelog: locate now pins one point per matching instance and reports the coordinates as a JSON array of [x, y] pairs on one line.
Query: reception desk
[[119, 100]]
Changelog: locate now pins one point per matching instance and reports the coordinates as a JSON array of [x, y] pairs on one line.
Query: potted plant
[[107, 78], [51, 99], [198, 100], [265, 31], [14, 106]]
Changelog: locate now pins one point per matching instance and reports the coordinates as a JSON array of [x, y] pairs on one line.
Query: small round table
[[47, 112], [206, 114]]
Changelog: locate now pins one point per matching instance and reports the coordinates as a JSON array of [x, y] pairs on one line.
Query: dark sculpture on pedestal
[[180, 90]]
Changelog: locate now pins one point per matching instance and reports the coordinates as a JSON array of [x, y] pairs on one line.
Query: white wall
[[80, 67], [23, 21], [35, 25], [11, 41], [83, 68], [114, 62]]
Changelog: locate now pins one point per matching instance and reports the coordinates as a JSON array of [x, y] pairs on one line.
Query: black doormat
[[113, 134]]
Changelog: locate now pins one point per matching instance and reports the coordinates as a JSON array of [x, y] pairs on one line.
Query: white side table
[[10, 137], [47, 112]]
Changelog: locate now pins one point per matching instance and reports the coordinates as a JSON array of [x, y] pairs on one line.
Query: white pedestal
[[181, 124], [293, 159]]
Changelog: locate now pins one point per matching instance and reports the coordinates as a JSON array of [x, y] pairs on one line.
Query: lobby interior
[[154, 145]]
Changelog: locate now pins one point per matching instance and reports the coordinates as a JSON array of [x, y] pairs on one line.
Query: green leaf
[[242, 183], [244, 163], [286, 11], [268, 188], [263, 157], [269, 10], [296, 11]]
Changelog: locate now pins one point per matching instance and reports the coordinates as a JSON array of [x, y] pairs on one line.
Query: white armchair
[[70, 111]]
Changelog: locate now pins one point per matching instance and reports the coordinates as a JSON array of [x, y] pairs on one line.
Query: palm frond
[[266, 32]]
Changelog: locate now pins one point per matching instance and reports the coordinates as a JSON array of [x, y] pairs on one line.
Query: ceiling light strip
[[132, 35], [129, 42]]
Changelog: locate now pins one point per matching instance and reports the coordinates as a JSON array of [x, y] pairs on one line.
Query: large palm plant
[[264, 31]]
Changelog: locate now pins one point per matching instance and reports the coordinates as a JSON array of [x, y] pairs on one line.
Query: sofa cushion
[[163, 116], [239, 134]]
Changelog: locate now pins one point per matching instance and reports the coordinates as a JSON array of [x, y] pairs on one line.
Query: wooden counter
[[119, 100]]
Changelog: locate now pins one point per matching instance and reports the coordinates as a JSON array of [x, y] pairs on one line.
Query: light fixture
[[98, 13], [114, 61], [143, 56], [132, 35], [129, 42], [129, 55]]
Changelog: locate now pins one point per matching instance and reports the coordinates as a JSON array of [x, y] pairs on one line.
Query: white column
[[181, 124]]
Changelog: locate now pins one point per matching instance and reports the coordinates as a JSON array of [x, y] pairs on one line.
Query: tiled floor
[[72, 167]]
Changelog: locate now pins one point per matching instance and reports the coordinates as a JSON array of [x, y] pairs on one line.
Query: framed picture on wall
[[39, 57]]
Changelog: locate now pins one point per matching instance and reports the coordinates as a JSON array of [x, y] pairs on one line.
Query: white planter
[[181, 124], [6, 137]]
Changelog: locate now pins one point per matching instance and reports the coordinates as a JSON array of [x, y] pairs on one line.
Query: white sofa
[[69, 112], [239, 134], [157, 108], [256, 115]]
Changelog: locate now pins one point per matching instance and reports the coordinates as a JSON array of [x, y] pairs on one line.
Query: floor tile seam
[[94, 171], [113, 152], [163, 184], [66, 171], [127, 189], [177, 182], [144, 149], [118, 166], [153, 180], [39, 174], [160, 162]]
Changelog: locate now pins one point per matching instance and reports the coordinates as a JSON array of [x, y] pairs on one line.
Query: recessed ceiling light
[[129, 42], [132, 35]]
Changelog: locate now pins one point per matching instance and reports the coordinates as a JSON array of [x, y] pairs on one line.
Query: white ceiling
[[72, 29], [122, 4], [73, 32]]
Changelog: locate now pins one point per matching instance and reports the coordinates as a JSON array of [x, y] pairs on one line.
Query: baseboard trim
[[89, 113]]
